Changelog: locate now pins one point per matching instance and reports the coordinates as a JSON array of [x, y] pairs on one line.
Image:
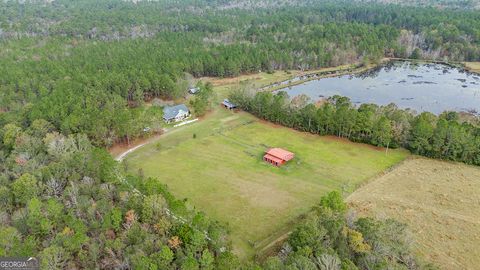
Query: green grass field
[[222, 173]]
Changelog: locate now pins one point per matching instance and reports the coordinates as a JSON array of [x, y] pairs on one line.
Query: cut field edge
[[267, 246]]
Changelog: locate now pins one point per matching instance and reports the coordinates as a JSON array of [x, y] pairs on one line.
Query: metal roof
[[193, 90], [172, 112], [273, 158], [280, 153], [227, 103]]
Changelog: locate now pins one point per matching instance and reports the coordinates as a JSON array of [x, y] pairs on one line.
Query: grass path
[[124, 154]]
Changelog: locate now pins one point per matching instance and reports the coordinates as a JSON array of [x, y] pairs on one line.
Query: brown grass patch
[[215, 81], [440, 203], [473, 66]]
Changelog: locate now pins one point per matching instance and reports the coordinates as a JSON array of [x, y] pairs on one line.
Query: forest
[[454, 4], [75, 77], [67, 202], [92, 69]]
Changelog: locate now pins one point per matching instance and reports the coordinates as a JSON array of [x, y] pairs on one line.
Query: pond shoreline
[[357, 68], [420, 85], [465, 66], [315, 75]]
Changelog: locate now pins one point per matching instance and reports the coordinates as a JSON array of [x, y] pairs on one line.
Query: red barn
[[277, 156]]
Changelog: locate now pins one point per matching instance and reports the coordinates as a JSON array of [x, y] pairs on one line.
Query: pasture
[[438, 201], [221, 172]]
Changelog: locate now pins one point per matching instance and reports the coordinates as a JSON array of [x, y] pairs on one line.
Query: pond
[[418, 86]]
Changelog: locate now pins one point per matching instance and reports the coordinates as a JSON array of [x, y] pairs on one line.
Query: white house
[[175, 113]]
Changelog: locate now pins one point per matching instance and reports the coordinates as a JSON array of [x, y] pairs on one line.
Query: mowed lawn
[[222, 173]]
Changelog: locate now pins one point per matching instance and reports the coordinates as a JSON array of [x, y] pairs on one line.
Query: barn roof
[[280, 153], [273, 158], [172, 112]]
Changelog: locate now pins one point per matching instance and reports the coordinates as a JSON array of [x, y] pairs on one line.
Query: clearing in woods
[[440, 203], [221, 172]]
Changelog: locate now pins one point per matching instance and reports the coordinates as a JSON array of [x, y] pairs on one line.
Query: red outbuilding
[[277, 156]]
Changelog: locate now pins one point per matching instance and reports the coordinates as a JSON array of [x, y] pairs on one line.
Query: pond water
[[418, 86]]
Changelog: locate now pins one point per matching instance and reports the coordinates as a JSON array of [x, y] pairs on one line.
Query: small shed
[[193, 90], [175, 113], [227, 104], [278, 156]]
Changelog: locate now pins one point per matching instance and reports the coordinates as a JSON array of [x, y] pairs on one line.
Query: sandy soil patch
[[473, 66]]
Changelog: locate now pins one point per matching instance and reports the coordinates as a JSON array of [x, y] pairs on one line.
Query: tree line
[[332, 237], [447, 136]]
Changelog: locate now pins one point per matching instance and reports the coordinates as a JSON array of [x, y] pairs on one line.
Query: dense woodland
[[453, 4], [81, 64], [75, 77], [67, 202]]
